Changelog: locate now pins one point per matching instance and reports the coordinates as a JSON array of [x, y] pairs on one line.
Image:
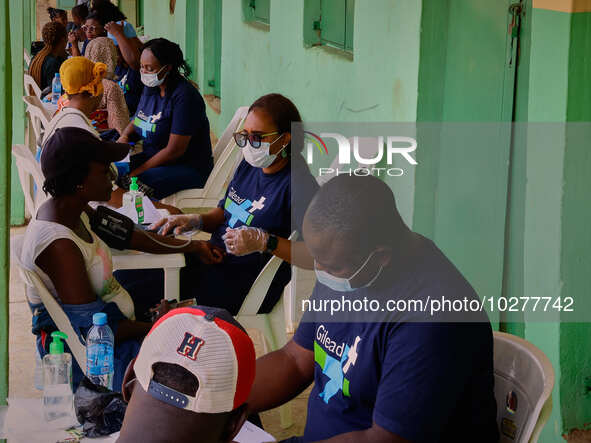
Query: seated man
[[190, 380], [381, 376]]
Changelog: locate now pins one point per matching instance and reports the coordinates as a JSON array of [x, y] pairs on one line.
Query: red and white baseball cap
[[210, 344]]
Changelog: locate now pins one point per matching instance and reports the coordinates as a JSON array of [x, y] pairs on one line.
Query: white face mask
[[260, 157], [152, 80], [341, 284]]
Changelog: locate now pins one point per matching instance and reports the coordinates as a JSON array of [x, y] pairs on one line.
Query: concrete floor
[[22, 359]]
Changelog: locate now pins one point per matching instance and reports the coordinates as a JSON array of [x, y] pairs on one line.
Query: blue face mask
[[341, 284]]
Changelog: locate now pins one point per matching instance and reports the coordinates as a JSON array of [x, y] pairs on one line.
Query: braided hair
[[55, 13], [52, 33], [169, 53]]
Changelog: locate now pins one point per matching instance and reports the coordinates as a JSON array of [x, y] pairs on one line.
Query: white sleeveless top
[[97, 258]]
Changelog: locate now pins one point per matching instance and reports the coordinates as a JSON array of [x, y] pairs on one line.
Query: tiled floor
[[22, 360]]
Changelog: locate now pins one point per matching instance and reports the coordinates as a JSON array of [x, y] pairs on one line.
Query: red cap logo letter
[[190, 346]]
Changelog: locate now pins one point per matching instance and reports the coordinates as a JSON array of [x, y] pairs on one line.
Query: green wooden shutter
[[212, 32], [66, 4], [257, 11], [336, 23], [349, 14], [332, 22]]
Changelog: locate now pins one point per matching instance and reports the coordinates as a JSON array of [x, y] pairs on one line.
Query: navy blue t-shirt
[[130, 82], [181, 111], [261, 200], [424, 381]]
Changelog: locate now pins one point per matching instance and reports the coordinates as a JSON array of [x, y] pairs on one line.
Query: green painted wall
[[159, 22], [575, 338], [379, 83], [545, 151], [18, 28]]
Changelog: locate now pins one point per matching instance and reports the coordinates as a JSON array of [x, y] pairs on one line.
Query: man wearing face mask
[[170, 119], [381, 376]]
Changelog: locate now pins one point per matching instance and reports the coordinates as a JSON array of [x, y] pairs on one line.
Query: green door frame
[[5, 143]]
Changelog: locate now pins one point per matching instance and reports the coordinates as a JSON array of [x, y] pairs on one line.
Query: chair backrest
[[57, 314], [27, 58], [39, 116], [28, 167], [227, 136], [228, 156], [31, 86], [524, 379], [255, 297]]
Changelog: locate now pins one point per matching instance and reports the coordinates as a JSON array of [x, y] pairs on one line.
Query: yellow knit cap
[[78, 74]]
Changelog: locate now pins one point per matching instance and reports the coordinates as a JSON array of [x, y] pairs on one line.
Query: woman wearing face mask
[[256, 217], [171, 120]]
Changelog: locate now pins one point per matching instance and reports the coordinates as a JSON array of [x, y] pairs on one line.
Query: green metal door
[[466, 84], [212, 34]]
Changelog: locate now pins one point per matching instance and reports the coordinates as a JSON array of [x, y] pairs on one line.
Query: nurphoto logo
[[371, 155]]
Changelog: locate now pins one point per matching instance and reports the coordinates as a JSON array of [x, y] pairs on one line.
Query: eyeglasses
[[255, 139], [90, 28]]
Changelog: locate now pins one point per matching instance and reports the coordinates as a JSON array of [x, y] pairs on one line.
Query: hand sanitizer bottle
[[133, 205], [58, 399]]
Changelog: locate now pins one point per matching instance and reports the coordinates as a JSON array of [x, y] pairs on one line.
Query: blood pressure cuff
[[113, 228]]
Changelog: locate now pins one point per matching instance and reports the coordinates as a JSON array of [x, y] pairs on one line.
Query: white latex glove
[[177, 224], [245, 240]]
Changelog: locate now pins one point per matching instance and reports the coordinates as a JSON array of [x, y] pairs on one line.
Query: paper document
[[252, 434]]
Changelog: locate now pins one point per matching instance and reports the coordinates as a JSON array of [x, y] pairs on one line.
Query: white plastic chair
[[57, 314], [28, 168], [27, 58], [170, 263], [298, 289], [272, 325], [524, 379], [31, 86], [226, 157], [39, 116]]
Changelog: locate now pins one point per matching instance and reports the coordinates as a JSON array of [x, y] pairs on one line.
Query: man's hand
[[115, 29], [245, 240], [160, 309], [177, 224], [123, 139], [208, 253]]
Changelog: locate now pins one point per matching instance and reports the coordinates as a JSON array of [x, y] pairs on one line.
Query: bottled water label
[[99, 359]]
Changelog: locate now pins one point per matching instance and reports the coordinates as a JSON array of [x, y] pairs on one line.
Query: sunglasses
[[241, 138], [90, 28]]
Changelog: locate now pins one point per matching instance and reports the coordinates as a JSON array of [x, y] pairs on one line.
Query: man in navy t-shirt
[[381, 375]]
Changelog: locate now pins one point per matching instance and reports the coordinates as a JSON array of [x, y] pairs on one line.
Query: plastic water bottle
[[58, 399], [56, 88], [99, 352], [133, 206]]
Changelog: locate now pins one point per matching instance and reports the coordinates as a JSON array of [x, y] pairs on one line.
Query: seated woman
[[82, 83], [72, 260], [112, 112], [129, 48], [47, 62], [171, 120], [60, 16], [76, 35], [257, 215], [93, 27]]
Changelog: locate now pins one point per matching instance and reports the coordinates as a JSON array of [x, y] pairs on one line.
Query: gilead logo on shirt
[[334, 369], [241, 209]]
